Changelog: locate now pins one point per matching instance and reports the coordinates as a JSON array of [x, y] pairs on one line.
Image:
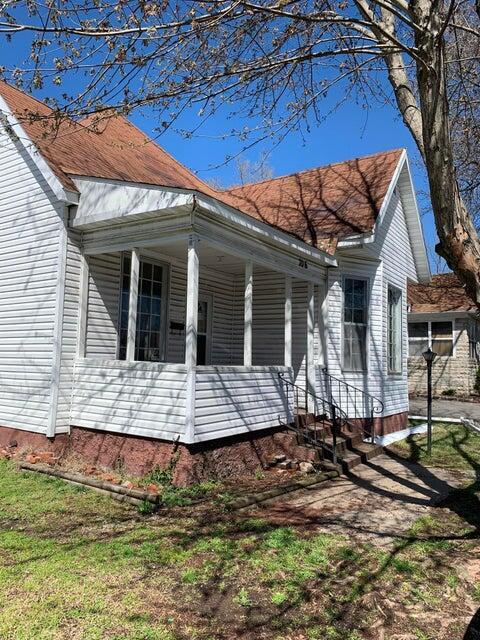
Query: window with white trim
[[151, 311], [436, 335], [394, 334], [355, 315]]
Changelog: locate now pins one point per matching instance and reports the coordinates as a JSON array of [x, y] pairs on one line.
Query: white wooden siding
[[369, 381], [395, 263], [268, 318], [139, 398], [103, 305], [233, 400], [29, 247], [299, 332], [396, 253], [69, 332]]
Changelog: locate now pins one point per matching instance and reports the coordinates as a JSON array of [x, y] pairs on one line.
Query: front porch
[[184, 339]]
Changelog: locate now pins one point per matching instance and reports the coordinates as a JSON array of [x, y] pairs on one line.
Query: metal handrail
[[375, 406], [331, 416]]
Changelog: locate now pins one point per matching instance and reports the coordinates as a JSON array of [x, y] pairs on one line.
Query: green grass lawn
[[76, 565], [453, 447]]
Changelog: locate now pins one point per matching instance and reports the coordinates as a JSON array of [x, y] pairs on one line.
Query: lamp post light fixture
[[429, 356]]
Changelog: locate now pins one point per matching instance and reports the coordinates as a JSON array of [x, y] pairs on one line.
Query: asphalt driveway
[[446, 409]]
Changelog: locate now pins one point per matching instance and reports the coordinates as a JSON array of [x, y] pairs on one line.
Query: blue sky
[[349, 132]]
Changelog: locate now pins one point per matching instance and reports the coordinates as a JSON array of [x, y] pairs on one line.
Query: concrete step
[[350, 454], [360, 455]]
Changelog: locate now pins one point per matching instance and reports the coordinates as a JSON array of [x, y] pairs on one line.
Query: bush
[[449, 392], [476, 386]]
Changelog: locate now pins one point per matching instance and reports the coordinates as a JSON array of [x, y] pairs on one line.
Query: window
[[437, 335], [203, 331], [355, 325], [394, 330], [417, 338], [442, 338], [151, 311]]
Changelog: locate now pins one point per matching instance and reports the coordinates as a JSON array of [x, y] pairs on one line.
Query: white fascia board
[[414, 223], [368, 238], [15, 130], [412, 217], [360, 240]]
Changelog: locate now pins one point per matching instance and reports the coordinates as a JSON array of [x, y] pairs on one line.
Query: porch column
[[288, 321], [83, 307], [192, 304], [248, 315], [191, 326], [132, 304], [311, 345]]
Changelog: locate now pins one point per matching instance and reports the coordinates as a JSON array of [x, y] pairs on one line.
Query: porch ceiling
[[210, 257]]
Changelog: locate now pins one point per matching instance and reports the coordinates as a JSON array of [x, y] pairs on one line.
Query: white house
[[139, 302]]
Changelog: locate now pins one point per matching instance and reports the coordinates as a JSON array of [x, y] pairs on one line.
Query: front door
[[204, 330]]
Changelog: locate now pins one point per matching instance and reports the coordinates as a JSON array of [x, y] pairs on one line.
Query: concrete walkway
[[377, 501], [446, 409]]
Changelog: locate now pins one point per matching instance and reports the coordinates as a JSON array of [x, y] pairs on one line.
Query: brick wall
[[457, 372]]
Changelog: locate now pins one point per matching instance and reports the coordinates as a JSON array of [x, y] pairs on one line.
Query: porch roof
[[318, 206]]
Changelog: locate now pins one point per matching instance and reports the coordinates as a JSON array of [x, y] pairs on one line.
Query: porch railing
[[356, 403], [314, 428]]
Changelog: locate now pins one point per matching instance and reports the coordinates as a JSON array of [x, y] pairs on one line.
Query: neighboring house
[[443, 317], [140, 307]]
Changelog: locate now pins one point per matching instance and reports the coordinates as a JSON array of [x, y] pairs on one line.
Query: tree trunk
[[459, 243]]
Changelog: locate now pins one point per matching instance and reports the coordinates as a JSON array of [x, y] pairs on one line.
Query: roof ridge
[[321, 166]]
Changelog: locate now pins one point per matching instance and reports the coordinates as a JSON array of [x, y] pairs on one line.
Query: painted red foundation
[[222, 459], [383, 425], [28, 441], [226, 458]]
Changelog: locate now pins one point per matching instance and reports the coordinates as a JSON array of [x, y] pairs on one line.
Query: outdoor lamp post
[[429, 356]]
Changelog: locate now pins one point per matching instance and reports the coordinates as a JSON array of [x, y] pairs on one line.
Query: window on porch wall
[[151, 311]]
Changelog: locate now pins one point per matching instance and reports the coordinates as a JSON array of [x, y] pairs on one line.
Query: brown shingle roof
[[443, 293], [337, 200], [114, 149], [318, 205]]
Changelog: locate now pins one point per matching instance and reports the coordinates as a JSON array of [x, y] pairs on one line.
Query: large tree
[[277, 64]]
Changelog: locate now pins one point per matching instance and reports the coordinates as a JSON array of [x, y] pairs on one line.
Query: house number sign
[[302, 263]]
